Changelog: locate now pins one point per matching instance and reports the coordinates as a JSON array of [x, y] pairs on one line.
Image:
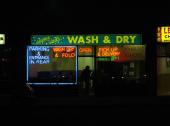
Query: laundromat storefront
[[60, 59]]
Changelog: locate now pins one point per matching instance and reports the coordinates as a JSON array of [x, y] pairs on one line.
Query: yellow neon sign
[[163, 34]]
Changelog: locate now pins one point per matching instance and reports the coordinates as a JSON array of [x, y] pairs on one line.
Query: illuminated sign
[[113, 58], [163, 34], [2, 39], [64, 52], [51, 65], [39, 55], [121, 53], [85, 50], [119, 39], [108, 51]]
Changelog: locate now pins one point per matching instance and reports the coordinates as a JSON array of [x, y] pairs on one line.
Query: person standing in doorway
[[85, 78]]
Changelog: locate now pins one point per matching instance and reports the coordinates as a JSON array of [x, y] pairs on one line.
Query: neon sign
[[121, 53], [44, 68], [37, 55], [108, 39], [85, 50], [108, 51], [64, 52], [113, 58], [39, 48], [103, 59], [163, 34]]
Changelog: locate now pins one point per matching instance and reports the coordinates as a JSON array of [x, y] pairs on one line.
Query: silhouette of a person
[[85, 78]]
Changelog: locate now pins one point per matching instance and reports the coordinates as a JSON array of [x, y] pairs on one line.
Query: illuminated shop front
[[163, 61], [60, 59]]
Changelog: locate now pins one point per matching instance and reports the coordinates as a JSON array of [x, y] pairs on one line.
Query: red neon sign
[[68, 55], [63, 49], [85, 50], [108, 52], [59, 49], [64, 52]]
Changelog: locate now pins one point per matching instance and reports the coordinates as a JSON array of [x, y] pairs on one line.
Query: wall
[[162, 67]]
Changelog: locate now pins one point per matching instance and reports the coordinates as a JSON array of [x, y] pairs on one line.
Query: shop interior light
[[2, 39]]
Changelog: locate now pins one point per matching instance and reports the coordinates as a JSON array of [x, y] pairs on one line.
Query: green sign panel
[[107, 39]]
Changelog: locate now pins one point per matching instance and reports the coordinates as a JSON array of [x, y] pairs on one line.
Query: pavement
[[85, 110], [99, 108]]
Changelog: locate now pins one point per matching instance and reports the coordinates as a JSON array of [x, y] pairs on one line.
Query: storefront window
[[121, 69], [51, 65], [116, 62], [85, 61], [163, 69]]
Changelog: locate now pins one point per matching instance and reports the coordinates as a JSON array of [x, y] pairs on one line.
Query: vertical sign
[[163, 34]]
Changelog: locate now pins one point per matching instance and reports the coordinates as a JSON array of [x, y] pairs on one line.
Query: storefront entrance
[[163, 70], [121, 78], [116, 62]]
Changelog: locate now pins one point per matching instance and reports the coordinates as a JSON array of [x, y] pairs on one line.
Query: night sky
[[86, 16]]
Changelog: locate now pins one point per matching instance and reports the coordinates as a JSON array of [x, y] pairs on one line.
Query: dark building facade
[[144, 23]]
